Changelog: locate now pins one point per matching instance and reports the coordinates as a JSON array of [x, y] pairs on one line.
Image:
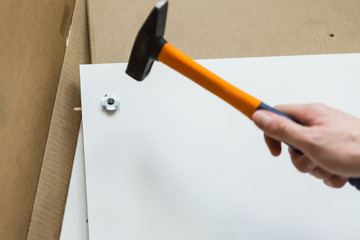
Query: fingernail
[[261, 118]]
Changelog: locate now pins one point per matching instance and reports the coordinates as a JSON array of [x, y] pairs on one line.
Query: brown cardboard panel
[[229, 28], [60, 147], [33, 40]]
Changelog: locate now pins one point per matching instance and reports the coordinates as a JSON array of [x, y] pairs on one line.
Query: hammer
[[150, 45]]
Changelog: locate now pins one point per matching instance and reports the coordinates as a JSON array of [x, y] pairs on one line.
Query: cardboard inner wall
[[33, 40], [229, 28], [56, 169]]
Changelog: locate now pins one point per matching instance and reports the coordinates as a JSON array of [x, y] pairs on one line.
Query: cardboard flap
[[231, 28]]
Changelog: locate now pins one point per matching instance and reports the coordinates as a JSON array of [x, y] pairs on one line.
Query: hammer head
[[148, 43]]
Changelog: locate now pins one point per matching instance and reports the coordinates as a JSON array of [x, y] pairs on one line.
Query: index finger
[[303, 113]]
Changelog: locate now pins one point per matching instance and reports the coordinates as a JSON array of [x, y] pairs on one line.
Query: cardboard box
[[39, 86], [39, 78]]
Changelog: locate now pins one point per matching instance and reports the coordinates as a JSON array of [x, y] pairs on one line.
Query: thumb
[[280, 128]]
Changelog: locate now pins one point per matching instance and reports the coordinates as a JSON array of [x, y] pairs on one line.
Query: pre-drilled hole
[[332, 35], [111, 101]]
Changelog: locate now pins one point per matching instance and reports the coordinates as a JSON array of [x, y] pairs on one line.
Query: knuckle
[[301, 168], [300, 164], [278, 106], [308, 138], [317, 173], [279, 128], [317, 107], [322, 174]]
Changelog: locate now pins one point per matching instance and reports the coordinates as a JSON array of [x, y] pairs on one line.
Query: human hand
[[328, 138]]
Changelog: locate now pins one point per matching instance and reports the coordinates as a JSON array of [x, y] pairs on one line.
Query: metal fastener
[[110, 102]]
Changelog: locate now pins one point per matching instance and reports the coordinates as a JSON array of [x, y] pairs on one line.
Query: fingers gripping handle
[[353, 181], [266, 107]]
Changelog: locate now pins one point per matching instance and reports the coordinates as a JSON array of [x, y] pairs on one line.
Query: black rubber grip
[[355, 182]]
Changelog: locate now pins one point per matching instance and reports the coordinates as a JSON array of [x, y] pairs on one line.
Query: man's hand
[[329, 139]]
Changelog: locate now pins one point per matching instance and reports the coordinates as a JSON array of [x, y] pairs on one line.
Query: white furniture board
[[176, 162], [74, 225]]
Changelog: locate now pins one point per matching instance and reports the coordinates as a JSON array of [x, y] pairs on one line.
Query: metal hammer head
[[148, 43]]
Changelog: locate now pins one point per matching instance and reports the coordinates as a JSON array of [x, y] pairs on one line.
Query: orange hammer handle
[[242, 101], [185, 65]]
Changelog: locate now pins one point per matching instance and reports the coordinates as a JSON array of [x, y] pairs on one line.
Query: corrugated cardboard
[[33, 40], [38, 131], [61, 143], [33, 36], [229, 28]]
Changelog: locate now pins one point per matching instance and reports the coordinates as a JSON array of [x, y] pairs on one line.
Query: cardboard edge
[[91, 32]]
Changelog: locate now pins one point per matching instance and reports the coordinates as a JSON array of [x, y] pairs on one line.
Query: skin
[[328, 138]]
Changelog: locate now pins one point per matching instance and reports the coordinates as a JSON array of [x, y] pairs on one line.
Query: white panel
[[74, 225], [176, 162]]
